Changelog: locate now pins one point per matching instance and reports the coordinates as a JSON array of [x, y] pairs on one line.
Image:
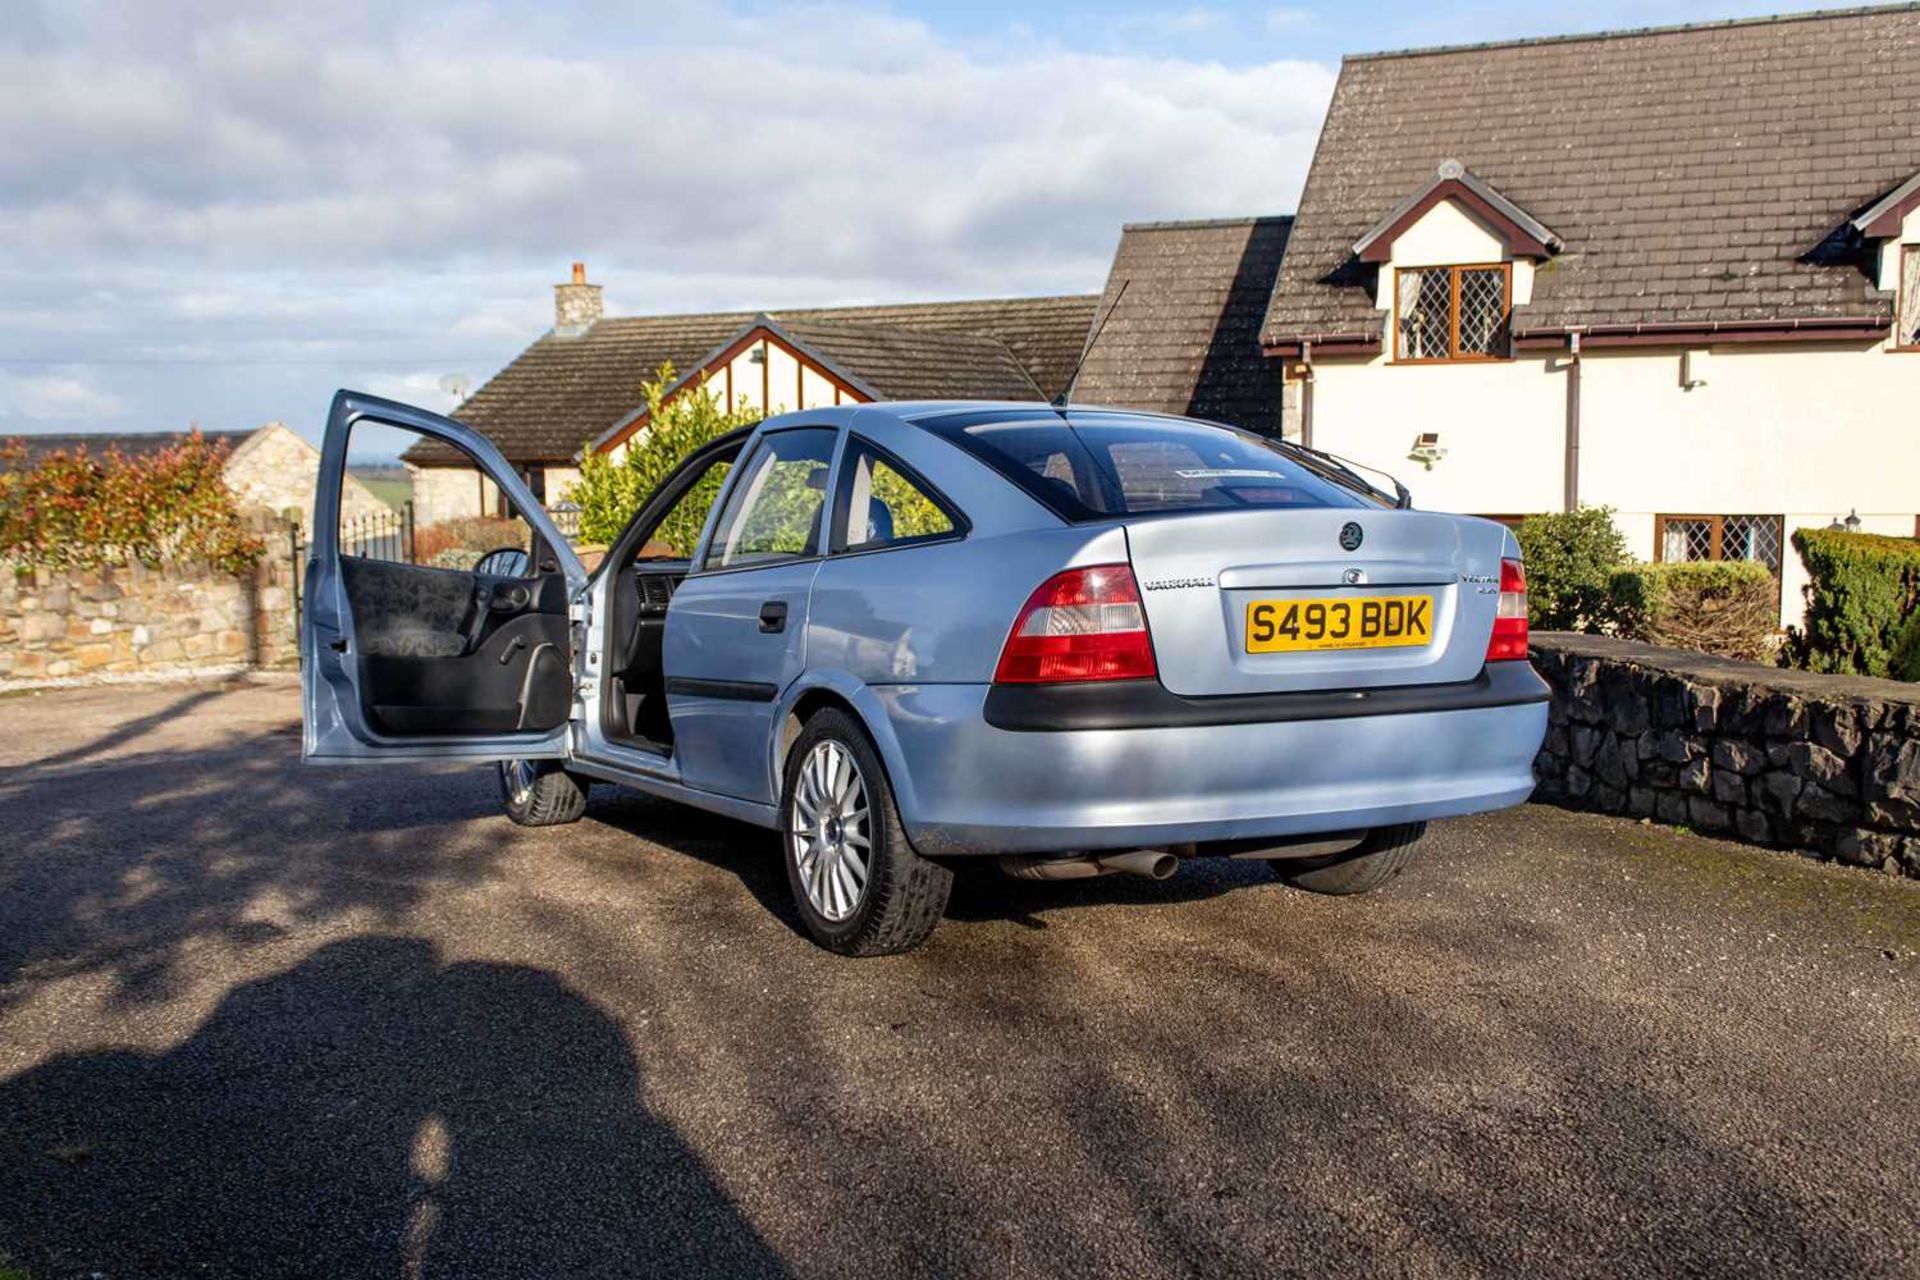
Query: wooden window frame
[[1901, 302], [1454, 355], [1719, 526]]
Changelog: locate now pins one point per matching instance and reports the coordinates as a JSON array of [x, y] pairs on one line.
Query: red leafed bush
[[83, 510]]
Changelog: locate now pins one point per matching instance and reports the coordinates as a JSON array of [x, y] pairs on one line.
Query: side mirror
[[503, 562]]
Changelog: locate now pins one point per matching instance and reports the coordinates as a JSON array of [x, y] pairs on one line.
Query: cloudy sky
[[218, 211]]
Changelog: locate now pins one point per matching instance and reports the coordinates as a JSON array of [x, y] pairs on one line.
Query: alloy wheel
[[830, 830]]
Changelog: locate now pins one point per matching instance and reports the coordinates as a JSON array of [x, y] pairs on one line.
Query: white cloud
[[1286, 19], [56, 398], [395, 188], [1174, 23]]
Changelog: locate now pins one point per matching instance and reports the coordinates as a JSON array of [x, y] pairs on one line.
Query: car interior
[[452, 651], [654, 555], [474, 642]]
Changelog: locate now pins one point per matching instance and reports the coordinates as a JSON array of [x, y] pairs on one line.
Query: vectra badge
[[1351, 536]]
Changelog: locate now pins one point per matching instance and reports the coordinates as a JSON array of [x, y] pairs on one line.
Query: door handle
[[773, 615]]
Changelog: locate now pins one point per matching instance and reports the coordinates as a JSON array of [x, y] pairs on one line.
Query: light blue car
[[1073, 640]]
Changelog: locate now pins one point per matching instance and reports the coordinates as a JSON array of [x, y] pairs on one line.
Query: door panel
[[725, 668], [442, 651], [736, 632], [406, 662]]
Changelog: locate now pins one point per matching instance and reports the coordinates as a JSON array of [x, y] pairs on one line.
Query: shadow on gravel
[[373, 1111], [120, 863], [981, 892]]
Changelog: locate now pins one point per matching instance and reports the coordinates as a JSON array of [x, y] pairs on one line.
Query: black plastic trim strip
[[731, 690], [1148, 704]]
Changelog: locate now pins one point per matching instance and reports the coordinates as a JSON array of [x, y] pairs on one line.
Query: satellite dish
[[456, 385]]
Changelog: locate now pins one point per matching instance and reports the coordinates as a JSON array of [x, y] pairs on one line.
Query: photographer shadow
[[374, 1111]]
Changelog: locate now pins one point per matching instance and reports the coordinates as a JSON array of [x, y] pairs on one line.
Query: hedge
[[1861, 593], [77, 509], [1723, 607]]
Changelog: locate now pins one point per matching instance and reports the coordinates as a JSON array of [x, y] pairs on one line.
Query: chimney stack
[[576, 305]]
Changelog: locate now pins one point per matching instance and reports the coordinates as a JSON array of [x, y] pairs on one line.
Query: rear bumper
[[1148, 704], [971, 787]]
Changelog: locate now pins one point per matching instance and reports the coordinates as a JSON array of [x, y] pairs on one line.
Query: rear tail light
[[1082, 624], [1510, 619]]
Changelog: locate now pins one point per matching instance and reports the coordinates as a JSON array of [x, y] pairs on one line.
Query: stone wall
[[1826, 765], [276, 470], [83, 625]]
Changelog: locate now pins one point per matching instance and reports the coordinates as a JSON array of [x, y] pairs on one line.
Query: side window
[[773, 512], [880, 505], [409, 498]]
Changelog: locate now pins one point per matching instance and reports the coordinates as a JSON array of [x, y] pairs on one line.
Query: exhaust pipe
[[1155, 864]]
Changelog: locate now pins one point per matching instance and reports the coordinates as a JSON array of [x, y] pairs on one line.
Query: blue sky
[[218, 211]]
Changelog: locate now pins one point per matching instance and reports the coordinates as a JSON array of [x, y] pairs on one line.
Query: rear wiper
[[1402, 496]]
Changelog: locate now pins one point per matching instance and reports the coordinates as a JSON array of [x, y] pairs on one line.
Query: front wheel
[[1378, 859], [539, 793], [860, 887]]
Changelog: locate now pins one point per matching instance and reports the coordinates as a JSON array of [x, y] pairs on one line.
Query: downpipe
[[1155, 864]]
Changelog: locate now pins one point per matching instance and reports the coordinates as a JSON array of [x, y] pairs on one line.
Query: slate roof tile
[[1731, 149]]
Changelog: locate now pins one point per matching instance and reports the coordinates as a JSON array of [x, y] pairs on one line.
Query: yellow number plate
[[1375, 622]]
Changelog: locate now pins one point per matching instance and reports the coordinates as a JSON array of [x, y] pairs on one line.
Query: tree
[[611, 490]]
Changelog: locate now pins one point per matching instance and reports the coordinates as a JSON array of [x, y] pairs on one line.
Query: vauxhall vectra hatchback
[[1074, 641]]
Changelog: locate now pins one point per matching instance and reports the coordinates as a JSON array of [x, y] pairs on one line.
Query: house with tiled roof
[[1672, 271], [578, 387], [1178, 325]]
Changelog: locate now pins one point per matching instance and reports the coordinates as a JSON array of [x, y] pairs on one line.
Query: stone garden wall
[[1826, 765], [61, 626]]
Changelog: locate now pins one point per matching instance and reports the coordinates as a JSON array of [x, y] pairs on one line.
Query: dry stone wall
[[62, 626], [1824, 765]]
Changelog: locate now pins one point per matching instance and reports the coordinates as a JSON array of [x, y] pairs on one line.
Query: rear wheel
[[1378, 859], [859, 886], [539, 793]]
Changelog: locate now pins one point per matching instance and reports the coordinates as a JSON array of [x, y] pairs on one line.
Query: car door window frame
[[850, 451], [743, 468], [667, 496]]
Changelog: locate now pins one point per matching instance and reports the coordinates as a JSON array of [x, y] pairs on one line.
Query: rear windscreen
[[1102, 465]]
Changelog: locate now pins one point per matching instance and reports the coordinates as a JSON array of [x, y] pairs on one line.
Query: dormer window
[[1453, 313]]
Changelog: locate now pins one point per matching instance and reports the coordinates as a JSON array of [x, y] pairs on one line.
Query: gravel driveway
[[263, 1020]]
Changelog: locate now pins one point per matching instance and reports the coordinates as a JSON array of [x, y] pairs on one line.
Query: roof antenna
[[1060, 401]]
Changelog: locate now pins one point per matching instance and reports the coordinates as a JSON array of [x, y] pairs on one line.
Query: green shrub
[[80, 509], [1905, 663], [1862, 589], [1724, 607], [612, 490], [1570, 559]]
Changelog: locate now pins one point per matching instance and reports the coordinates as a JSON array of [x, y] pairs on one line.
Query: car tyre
[[1378, 859], [883, 903], [540, 793]]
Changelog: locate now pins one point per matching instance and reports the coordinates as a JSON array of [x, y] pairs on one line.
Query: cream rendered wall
[[1501, 422], [1890, 251], [559, 480], [1808, 431], [783, 379], [789, 384], [815, 390]]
